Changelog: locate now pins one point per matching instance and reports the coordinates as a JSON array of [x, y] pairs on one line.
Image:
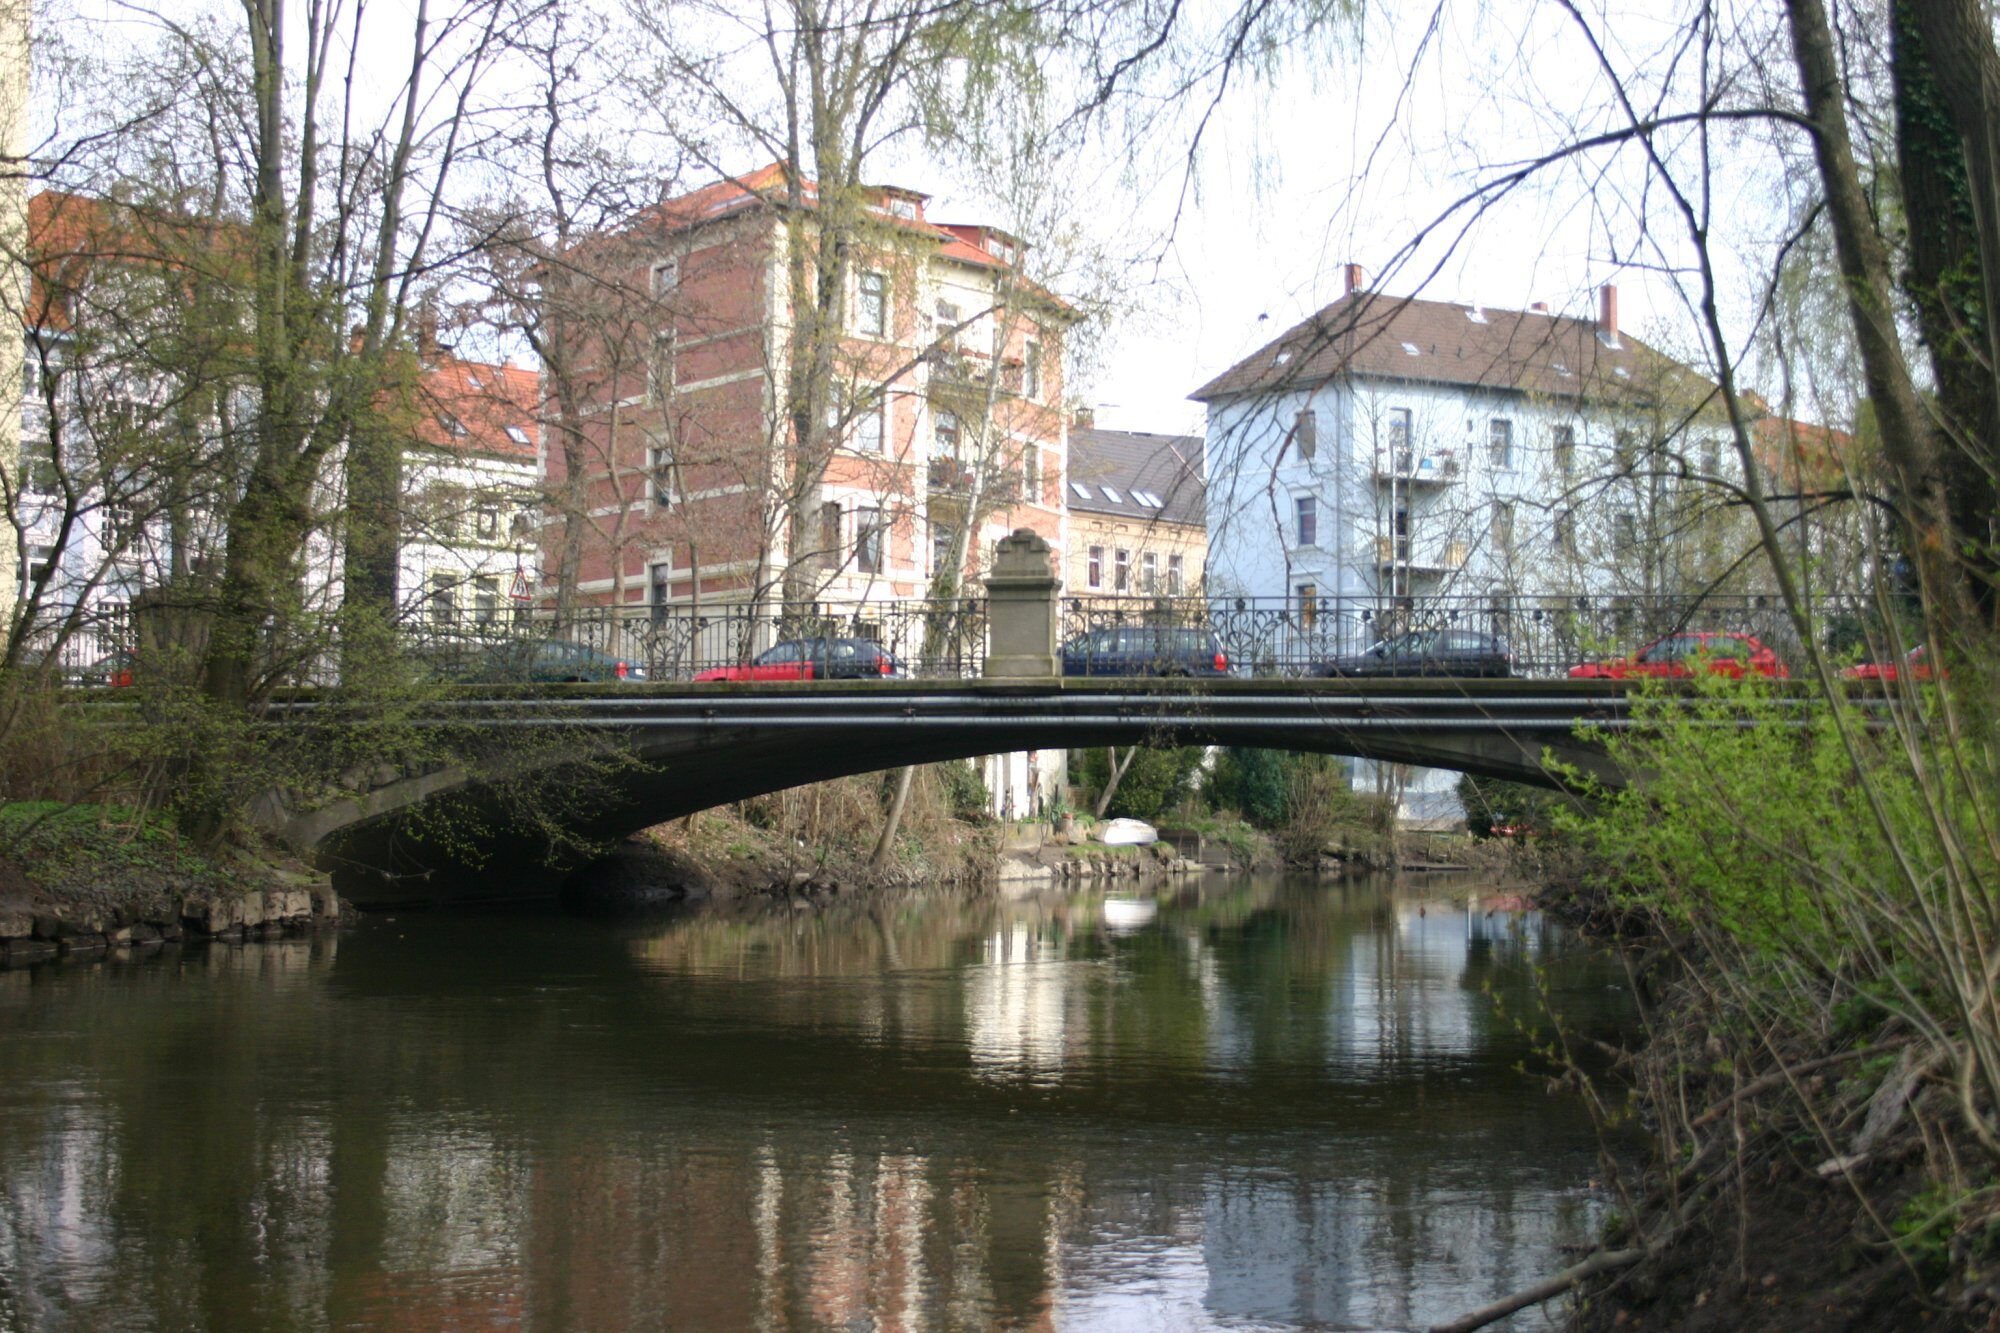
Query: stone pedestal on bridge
[[1022, 619]]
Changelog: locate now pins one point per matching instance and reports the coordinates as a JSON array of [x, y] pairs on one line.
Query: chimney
[[1084, 418], [1355, 280], [1540, 307], [1607, 313]]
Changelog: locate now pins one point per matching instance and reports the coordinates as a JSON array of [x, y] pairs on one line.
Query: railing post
[[1021, 614]]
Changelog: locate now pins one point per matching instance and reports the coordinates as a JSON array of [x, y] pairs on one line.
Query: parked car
[[550, 661], [1145, 650], [813, 659], [113, 670], [1443, 652], [1916, 665], [1679, 656]]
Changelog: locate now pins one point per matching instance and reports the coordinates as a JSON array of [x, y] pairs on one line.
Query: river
[[1249, 1103]]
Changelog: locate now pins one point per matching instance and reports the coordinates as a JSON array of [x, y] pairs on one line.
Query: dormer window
[[903, 208]]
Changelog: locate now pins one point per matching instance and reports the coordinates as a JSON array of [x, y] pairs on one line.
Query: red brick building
[[750, 427]]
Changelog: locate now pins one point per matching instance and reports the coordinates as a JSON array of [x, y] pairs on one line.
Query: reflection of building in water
[[1286, 1251], [1403, 999], [1016, 1004]]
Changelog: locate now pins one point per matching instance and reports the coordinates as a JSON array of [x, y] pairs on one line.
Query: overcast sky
[[1341, 162]]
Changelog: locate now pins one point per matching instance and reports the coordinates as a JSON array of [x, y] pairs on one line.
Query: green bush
[[1154, 784], [1251, 782]]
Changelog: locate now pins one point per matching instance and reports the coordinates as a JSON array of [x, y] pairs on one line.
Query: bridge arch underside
[[686, 764]]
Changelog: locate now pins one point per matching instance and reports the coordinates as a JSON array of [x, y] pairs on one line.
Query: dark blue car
[[1145, 650]]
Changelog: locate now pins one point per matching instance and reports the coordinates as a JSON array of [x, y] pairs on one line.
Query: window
[[1305, 513], [948, 317], [1566, 531], [1121, 571], [1503, 527], [1562, 442], [440, 599], [41, 562], [1031, 371], [1094, 571], [942, 537], [1711, 455], [829, 532], [1149, 572], [1176, 575], [660, 472], [1081, 491], [117, 527], [1399, 439], [660, 367], [451, 425], [1306, 431], [486, 522], [660, 578], [39, 472], [868, 431], [485, 599], [1500, 442], [944, 429], [1624, 533], [666, 277], [1031, 475], [868, 540], [903, 208], [872, 312], [1308, 600], [517, 435], [1111, 493], [1626, 451]]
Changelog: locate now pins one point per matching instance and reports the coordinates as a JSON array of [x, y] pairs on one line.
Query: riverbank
[[1814, 1175], [83, 879]]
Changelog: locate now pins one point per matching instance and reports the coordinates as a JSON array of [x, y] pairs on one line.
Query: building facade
[[1395, 462], [1137, 514], [737, 426]]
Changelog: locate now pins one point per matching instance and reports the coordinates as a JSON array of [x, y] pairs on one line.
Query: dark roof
[[1169, 466], [1522, 351]]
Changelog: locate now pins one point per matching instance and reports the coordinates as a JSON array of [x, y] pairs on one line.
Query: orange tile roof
[[484, 400]]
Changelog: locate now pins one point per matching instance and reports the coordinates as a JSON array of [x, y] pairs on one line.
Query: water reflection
[[1246, 1104]]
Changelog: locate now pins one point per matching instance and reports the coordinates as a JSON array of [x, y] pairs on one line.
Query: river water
[[1244, 1104]]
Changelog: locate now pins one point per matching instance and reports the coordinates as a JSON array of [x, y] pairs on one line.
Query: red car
[[1916, 664], [812, 659], [1678, 656]]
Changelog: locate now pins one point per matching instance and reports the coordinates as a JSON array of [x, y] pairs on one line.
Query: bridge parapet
[[1022, 616]]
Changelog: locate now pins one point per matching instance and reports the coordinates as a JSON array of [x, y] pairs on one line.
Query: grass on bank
[[63, 851], [1820, 893]]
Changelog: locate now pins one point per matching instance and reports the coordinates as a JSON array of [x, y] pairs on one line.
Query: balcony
[[1400, 555], [952, 475], [1406, 467]]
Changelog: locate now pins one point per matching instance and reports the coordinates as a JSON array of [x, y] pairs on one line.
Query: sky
[[1339, 161]]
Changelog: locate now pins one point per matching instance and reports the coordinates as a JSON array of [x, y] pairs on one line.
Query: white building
[[472, 496], [1393, 462]]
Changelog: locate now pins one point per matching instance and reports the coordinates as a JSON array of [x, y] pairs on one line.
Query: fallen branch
[[1602, 1262], [1778, 1077]]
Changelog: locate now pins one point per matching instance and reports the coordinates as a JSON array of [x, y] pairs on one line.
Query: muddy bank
[[1798, 1177], [86, 879]]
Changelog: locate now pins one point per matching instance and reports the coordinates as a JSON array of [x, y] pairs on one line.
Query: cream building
[[1137, 514]]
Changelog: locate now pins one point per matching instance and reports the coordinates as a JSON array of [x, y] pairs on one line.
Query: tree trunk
[[1909, 446], [1947, 96], [1117, 775], [886, 844]]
